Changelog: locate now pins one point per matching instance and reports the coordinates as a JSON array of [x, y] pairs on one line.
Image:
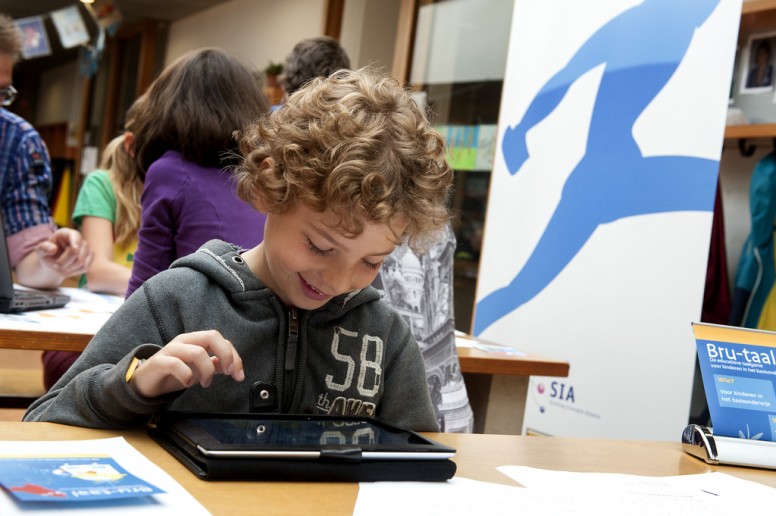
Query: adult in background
[[311, 58], [41, 255]]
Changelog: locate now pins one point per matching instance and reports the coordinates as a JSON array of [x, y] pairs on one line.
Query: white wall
[[255, 30], [369, 32]]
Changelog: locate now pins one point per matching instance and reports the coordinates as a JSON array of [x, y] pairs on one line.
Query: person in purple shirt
[[184, 205], [184, 146]]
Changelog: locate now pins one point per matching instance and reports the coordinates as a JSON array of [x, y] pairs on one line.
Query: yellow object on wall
[[61, 210]]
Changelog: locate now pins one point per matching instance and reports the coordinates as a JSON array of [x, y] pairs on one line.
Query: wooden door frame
[[405, 40], [405, 32], [148, 30], [332, 18]]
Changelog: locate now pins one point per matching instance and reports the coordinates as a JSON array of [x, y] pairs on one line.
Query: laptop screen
[[6, 273]]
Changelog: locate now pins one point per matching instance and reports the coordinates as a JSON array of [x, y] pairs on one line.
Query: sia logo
[[558, 391]]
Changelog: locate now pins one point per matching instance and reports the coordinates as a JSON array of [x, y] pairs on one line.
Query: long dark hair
[[195, 106]]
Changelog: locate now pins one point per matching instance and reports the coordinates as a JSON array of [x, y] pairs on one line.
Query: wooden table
[[62, 329], [477, 457], [497, 383], [43, 340]]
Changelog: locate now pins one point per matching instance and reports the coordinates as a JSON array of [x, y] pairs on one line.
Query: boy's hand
[[186, 360]]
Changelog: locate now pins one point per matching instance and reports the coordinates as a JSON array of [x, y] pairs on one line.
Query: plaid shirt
[[25, 174]]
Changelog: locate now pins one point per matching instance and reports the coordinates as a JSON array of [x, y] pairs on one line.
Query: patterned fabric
[[25, 175], [420, 288]]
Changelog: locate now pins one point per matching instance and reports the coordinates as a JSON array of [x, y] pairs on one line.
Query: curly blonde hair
[[354, 144]]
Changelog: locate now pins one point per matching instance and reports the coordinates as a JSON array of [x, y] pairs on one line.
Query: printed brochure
[[738, 366], [69, 479]]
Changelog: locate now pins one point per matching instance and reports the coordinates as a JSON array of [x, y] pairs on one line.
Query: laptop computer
[[21, 300]]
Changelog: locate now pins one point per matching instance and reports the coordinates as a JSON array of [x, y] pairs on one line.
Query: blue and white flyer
[[90, 476], [738, 366], [70, 479]]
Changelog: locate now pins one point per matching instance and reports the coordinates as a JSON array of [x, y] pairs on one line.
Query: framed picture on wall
[[35, 42], [757, 64]]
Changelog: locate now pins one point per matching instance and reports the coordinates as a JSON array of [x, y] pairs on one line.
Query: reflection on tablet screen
[[296, 433]]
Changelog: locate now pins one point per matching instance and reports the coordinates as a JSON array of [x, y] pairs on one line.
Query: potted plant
[[274, 68], [272, 88]]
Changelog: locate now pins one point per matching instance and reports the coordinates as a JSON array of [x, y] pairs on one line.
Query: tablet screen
[[302, 432], [262, 433]]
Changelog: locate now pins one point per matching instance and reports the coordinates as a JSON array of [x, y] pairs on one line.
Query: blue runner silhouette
[[640, 50]]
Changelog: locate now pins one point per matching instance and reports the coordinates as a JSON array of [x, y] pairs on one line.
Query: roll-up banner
[[600, 209]]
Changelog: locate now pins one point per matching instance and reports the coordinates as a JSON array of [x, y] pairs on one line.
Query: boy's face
[[306, 262]]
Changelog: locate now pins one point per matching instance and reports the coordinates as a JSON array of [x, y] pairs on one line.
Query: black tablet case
[[303, 470]]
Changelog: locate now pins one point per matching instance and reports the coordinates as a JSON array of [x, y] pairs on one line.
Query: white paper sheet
[[175, 500], [467, 341], [566, 493], [456, 496], [609, 493]]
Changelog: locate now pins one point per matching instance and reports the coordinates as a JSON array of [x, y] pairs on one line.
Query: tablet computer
[[301, 447]]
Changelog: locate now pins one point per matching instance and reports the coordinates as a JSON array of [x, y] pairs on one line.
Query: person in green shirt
[[95, 215], [107, 212]]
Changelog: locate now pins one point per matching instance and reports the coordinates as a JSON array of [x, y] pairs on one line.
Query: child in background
[[107, 212], [348, 169], [95, 214], [182, 142]]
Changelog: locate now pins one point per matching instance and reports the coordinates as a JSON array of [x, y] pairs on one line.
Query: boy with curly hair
[[347, 170]]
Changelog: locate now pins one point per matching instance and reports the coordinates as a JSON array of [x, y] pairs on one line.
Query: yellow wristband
[[133, 367]]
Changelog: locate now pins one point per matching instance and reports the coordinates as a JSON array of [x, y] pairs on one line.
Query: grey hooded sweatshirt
[[353, 356]]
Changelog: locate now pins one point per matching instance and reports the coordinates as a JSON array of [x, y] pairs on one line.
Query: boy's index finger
[[227, 360], [233, 369]]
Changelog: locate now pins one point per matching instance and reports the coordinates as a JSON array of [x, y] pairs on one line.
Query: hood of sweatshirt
[[222, 263]]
